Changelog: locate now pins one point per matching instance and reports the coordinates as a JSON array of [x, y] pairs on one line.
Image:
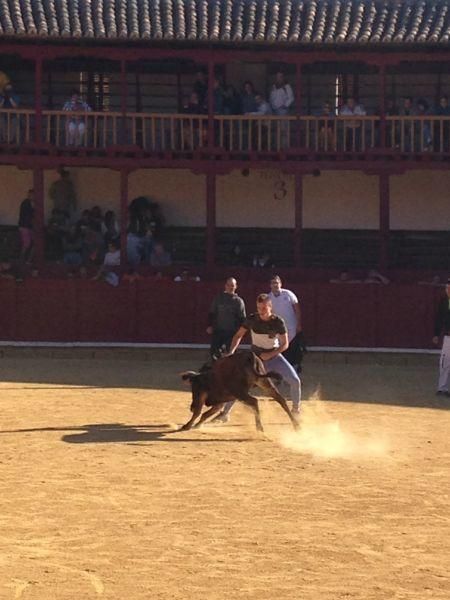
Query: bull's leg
[[209, 413], [196, 411], [253, 403], [268, 386]]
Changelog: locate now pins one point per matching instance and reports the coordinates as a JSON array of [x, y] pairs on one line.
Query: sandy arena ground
[[101, 499]]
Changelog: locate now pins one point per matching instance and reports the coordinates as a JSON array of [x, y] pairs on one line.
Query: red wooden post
[[123, 216], [210, 220], [39, 218], [382, 104], [38, 99], [211, 76], [384, 220], [298, 226]]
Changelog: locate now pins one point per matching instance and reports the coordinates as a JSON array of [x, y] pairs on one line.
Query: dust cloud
[[325, 437]]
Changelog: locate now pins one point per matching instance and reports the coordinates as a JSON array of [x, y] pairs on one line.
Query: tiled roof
[[231, 21]]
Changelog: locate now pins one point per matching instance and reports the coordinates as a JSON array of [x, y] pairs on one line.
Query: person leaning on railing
[[75, 125], [352, 127], [262, 109], [281, 101], [441, 128], [9, 126]]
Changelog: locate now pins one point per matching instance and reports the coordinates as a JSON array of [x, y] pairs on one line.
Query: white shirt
[[112, 259], [281, 97], [283, 306]]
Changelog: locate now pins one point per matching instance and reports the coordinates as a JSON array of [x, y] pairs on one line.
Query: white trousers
[[444, 365]]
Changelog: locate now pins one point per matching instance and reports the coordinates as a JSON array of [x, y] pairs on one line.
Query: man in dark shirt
[[269, 340], [226, 315], [442, 327], [26, 217]]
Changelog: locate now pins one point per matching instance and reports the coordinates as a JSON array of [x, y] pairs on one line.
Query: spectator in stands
[[442, 328], [442, 128], [226, 315], [424, 129], [281, 101], [26, 222], [326, 128], [236, 257], [392, 128], [92, 247], [191, 127], [200, 88], [405, 134], [248, 100], [186, 276], [352, 127], [262, 106], [72, 248], [159, 257], [218, 97], [139, 232], [262, 260], [345, 277], [75, 124], [231, 101], [56, 230], [285, 305], [111, 260], [9, 123], [62, 193], [110, 229], [374, 276], [262, 109]]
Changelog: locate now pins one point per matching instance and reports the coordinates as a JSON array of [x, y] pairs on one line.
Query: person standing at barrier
[[269, 340], [285, 304], [442, 327], [226, 315]]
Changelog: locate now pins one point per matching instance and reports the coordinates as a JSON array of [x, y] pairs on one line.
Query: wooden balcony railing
[[235, 134]]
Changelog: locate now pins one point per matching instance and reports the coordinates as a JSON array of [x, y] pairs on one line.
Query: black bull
[[231, 378]]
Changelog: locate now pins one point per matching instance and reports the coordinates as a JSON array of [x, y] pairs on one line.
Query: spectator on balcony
[[281, 101], [96, 219], [442, 127], [248, 99], [75, 125], [326, 128], [262, 109], [139, 237], [231, 101], [423, 131], [62, 193], [352, 127], [200, 87], [218, 97], [26, 222], [72, 248], [111, 260], [391, 110], [405, 135], [262, 260], [56, 230], [160, 257], [110, 229], [192, 134], [9, 123]]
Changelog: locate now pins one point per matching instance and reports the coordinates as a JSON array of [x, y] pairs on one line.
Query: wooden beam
[[384, 194], [123, 217], [298, 225], [210, 220], [39, 217]]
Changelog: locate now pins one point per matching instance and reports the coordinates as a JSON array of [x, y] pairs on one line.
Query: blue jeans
[[281, 366]]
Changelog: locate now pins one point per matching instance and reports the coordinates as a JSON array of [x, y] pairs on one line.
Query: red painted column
[[384, 220], [382, 104], [38, 225], [38, 99], [123, 216], [210, 220], [211, 76], [298, 226]]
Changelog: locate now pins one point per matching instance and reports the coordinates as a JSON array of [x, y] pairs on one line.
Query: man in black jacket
[[442, 327]]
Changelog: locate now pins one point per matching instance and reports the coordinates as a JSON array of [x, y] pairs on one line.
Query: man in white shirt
[[285, 305], [281, 100], [352, 128]]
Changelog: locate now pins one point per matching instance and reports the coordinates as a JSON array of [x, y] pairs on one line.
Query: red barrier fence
[[351, 315]]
